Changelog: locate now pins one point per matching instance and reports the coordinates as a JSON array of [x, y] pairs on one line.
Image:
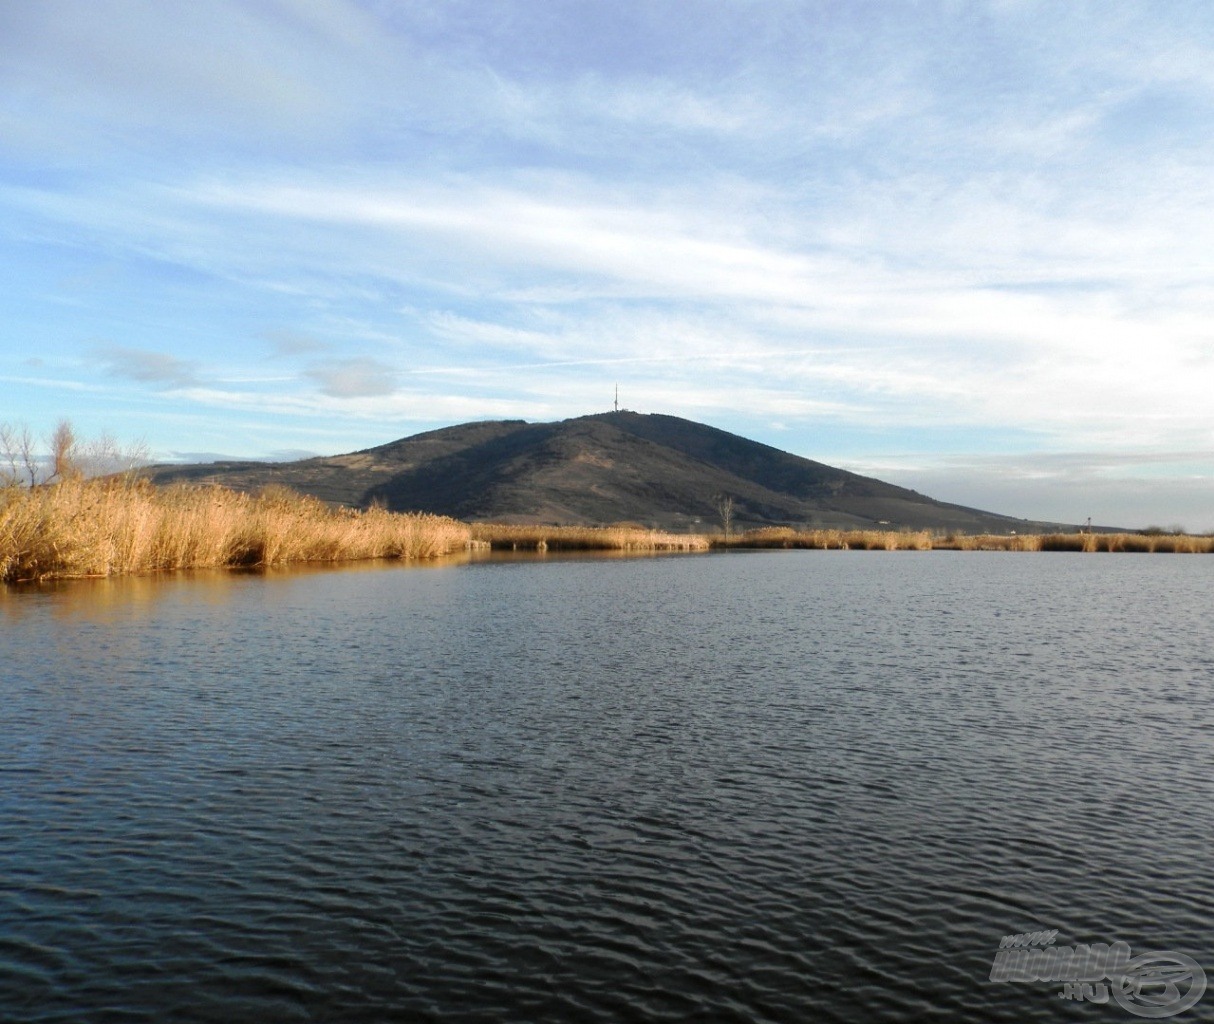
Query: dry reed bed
[[827, 540], [923, 540], [501, 537], [108, 527]]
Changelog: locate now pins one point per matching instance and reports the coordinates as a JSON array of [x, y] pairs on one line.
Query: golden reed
[[502, 537], [111, 526]]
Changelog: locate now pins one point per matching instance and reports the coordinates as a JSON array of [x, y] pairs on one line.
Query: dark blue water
[[779, 786]]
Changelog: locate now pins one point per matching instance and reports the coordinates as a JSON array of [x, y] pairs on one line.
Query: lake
[[767, 786]]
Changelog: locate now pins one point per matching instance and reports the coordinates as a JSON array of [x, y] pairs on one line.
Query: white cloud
[[148, 367], [286, 342], [353, 378]]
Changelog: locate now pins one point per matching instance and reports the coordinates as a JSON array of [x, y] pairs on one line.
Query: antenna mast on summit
[[617, 398]]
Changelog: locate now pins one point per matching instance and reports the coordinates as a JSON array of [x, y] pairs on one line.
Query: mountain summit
[[605, 468]]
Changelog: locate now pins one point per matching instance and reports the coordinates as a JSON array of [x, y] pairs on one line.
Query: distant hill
[[611, 467]]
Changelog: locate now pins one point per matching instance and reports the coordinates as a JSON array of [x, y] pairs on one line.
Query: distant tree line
[[29, 460]]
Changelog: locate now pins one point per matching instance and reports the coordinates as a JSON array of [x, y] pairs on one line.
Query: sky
[[966, 247]]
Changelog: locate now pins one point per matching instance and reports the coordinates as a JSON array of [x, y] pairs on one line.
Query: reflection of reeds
[[987, 542], [501, 537], [923, 540], [1067, 542], [106, 527]]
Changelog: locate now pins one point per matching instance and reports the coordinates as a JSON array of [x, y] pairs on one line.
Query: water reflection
[[134, 596]]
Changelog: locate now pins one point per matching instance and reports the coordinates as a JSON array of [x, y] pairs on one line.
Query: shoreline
[[109, 527]]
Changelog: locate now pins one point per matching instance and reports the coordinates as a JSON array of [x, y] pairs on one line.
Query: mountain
[[610, 467]]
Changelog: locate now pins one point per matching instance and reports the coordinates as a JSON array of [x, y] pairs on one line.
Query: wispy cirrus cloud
[[966, 336]]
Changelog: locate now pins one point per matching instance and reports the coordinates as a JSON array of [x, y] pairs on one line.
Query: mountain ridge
[[652, 469]]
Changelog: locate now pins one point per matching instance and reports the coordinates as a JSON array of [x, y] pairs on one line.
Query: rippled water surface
[[783, 786]]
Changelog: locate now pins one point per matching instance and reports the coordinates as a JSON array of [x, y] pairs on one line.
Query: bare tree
[[135, 455], [64, 452], [105, 456], [10, 452], [20, 453], [725, 505]]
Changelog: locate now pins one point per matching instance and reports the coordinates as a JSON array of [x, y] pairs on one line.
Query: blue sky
[[963, 246]]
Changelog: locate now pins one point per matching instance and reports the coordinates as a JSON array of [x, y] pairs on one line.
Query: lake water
[[775, 786]]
